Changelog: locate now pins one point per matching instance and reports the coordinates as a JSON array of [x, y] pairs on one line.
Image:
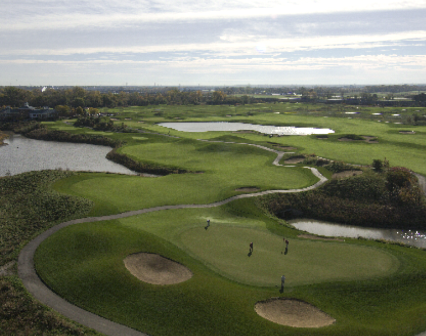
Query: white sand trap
[[155, 269], [293, 313]]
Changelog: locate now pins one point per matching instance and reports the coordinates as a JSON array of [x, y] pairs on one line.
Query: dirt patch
[[5, 270], [155, 269], [248, 189], [407, 132], [293, 313], [294, 160], [346, 173], [308, 236]]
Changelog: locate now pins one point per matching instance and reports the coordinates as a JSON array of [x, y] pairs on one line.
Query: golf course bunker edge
[[155, 269], [293, 313]]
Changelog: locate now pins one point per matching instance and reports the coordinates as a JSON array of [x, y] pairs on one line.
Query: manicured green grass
[[84, 264], [226, 248]]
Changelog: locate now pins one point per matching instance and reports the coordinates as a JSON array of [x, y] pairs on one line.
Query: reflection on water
[[23, 155], [410, 237], [236, 126]]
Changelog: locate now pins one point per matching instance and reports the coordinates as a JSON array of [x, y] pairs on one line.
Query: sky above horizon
[[217, 42]]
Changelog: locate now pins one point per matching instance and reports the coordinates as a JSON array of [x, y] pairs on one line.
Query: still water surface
[[23, 155], [236, 126], [410, 237]]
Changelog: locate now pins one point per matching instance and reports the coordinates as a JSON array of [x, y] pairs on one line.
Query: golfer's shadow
[[206, 227], [285, 252], [250, 253]]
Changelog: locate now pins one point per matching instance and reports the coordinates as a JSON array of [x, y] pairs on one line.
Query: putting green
[[226, 250]]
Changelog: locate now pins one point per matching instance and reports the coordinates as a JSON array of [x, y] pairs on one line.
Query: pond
[[236, 126], [22, 155], [409, 237]]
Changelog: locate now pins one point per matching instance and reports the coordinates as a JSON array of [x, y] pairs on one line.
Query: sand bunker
[[247, 189], [346, 173], [295, 160], [293, 313], [155, 269], [407, 132]]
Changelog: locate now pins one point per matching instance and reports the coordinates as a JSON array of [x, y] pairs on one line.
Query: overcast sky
[[214, 42]]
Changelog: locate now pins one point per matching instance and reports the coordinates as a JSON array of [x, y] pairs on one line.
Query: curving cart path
[[34, 285]]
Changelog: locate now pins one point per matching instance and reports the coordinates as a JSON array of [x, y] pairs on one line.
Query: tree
[[63, 110], [79, 110], [14, 96], [78, 102], [218, 96]]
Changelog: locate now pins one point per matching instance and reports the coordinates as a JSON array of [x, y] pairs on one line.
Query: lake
[[22, 155], [236, 126], [410, 237]]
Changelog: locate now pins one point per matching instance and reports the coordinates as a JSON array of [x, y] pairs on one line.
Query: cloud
[[24, 14], [243, 45]]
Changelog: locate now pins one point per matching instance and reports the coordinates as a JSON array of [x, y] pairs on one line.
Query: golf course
[[171, 254]]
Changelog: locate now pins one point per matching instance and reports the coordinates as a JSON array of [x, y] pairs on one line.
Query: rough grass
[[28, 207]]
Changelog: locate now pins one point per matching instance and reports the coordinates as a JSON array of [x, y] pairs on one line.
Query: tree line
[[79, 97]]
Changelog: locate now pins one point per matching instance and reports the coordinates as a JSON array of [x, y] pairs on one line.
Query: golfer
[[282, 283], [208, 222], [251, 247]]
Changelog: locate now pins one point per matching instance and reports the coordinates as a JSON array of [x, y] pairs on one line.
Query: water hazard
[[23, 155], [236, 126], [409, 237]]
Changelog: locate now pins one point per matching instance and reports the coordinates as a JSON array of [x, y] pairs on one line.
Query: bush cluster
[[142, 167], [42, 133], [363, 200], [28, 207]]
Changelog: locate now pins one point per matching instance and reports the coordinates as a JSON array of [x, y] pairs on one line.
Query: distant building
[[28, 112]]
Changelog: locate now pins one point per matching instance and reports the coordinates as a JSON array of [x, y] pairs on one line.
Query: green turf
[[224, 167], [226, 250]]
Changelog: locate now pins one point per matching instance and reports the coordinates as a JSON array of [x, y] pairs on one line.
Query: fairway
[[226, 249]]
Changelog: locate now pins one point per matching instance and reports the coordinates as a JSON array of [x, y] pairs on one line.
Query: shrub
[[377, 165]]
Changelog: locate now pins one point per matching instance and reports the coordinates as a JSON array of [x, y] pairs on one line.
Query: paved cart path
[[34, 285]]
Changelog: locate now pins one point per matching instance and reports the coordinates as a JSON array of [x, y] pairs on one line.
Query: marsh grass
[[27, 208]]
